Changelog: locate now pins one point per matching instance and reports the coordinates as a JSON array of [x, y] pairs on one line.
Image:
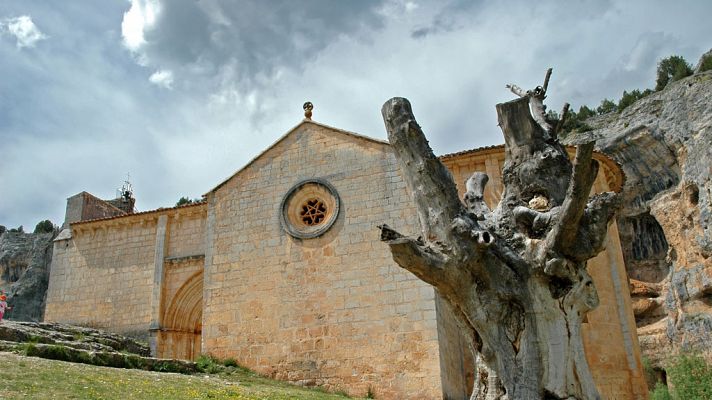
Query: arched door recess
[[181, 322]]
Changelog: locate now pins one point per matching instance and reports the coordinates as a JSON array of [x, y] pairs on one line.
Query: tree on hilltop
[[671, 69], [184, 201], [45, 226]]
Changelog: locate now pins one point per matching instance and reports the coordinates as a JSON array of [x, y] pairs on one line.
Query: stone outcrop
[[664, 144], [84, 345], [70, 336], [25, 260]]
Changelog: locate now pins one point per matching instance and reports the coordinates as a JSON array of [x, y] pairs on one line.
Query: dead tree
[[514, 277]]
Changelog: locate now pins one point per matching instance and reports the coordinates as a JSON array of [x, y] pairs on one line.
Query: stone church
[[281, 268]]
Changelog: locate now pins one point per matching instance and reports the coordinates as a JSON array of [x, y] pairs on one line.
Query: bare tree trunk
[[515, 277]]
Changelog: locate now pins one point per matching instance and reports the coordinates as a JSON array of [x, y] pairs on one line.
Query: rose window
[[309, 209]]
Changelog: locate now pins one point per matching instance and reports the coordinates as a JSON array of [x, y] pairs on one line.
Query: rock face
[[69, 336], [664, 144], [25, 260]]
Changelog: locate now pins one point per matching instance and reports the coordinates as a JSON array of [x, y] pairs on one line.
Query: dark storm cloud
[[450, 17], [248, 43]]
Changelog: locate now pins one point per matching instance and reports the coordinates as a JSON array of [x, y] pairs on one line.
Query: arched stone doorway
[[181, 321]]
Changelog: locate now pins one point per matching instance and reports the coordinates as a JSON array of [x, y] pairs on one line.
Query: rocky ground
[[76, 337], [83, 345]]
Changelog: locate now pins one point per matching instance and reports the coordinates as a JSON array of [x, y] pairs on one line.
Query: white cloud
[[163, 78], [24, 30], [140, 17]]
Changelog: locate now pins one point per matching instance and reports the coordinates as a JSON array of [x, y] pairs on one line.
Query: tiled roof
[[199, 203], [471, 151]]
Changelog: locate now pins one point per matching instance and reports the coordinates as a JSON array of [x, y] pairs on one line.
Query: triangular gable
[[289, 133]]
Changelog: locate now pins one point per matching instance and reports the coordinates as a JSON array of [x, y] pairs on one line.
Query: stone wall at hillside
[[102, 276], [109, 273]]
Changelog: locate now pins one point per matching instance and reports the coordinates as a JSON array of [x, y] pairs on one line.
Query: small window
[[313, 212]]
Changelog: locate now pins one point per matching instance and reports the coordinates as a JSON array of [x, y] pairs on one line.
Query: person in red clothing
[[3, 304]]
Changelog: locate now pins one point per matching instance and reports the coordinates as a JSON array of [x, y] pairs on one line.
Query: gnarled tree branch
[[420, 259], [536, 98], [563, 234], [562, 120], [475, 195], [436, 199]]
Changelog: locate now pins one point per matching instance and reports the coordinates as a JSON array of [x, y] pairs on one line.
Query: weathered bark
[[515, 277]]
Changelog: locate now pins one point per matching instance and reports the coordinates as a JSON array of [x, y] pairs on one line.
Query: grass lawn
[[36, 378]]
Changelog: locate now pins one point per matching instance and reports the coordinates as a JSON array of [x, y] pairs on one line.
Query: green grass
[[209, 364], [37, 378]]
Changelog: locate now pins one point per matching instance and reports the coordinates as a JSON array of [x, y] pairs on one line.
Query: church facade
[[281, 268]]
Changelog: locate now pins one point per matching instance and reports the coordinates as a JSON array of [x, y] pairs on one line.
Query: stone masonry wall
[[186, 233], [335, 310], [110, 274], [85, 206], [103, 276], [95, 207]]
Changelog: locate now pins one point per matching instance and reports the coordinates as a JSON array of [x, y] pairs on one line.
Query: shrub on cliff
[[690, 377], [706, 63], [606, 107], [631, 97], [574, 121], [671, 69]]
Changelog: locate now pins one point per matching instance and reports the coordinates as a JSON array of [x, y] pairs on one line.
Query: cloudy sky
[[181, 93]]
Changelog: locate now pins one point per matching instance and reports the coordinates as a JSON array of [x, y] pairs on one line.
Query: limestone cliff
[[25, 260], [664, 145]]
